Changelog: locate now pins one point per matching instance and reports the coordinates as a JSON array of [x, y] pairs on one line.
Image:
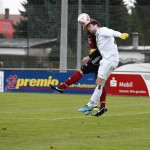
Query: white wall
[[126, 56]]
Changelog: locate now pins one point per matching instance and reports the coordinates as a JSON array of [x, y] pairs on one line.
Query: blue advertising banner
[[39, 81]]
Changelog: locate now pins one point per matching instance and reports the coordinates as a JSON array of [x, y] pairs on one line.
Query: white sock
[[95, 96]]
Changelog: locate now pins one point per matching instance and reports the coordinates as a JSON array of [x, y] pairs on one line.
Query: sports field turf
[[51, 121]]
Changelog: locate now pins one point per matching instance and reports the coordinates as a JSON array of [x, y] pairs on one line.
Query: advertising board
[[31, 81], [130, 84]]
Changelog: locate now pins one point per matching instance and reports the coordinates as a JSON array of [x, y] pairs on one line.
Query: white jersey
[[106, 42]]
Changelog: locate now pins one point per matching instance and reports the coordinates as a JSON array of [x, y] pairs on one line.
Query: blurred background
[[45, 34]]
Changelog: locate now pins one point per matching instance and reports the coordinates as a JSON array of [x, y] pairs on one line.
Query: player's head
[[93, 22], [85, 29], [92, 26], [83, 19]]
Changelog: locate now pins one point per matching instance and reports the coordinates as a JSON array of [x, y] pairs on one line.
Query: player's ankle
[[63, 86]]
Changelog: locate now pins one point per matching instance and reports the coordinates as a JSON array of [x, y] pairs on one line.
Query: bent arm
[[95, 53]]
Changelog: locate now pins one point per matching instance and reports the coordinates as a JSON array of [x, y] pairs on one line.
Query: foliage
[[119, 19], [143, 2], [43, 20], [40, 20], [2, 36], [21, 28], [140, 22]]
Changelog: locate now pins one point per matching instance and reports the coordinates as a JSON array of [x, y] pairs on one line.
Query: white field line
[[69, 118], [127, 114]]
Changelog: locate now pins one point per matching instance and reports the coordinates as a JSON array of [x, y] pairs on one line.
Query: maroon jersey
[[92, 42], [93, 47]]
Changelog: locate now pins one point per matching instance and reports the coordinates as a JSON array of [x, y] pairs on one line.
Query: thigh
[[106, 67], [89, 68]]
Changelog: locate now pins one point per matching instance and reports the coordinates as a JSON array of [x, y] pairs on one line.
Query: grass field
[[51, 121]]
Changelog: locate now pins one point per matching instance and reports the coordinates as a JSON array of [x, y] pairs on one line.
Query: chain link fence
[[36, 36]]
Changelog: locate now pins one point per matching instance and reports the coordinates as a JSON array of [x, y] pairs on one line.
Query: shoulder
[[102, 31], [104, 28]]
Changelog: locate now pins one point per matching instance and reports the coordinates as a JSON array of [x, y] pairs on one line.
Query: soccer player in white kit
[[110, 58]]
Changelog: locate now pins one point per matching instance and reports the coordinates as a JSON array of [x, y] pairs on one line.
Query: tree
[[119, 19], [2, 36], [139, 21], [21, 28], [39, 20], [42, 19]]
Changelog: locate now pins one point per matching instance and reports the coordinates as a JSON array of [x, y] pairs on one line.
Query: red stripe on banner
[[48, 88]]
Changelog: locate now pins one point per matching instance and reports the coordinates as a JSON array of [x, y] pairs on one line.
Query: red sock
[[103, 98], [72, 79]]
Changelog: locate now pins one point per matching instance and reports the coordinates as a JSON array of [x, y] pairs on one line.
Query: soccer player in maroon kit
[[87, 67]]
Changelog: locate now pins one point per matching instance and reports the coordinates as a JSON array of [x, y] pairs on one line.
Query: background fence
[[35, 42]]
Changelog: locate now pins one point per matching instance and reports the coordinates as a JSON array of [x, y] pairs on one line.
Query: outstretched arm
[[110, 32], [123, 36]]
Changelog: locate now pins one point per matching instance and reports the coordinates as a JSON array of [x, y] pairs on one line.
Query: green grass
[[51, 121]]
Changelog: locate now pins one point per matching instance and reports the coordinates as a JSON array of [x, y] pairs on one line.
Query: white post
[[135, 36], [79, 37], [64, 33]]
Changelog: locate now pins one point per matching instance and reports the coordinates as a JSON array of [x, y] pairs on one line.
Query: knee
[[100, 81]]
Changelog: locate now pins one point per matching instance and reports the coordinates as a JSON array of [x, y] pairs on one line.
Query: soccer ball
[[83, 19]]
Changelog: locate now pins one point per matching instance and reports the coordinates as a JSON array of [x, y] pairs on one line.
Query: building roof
[[129, 48], [23, 42], [14, 18], [141, 67]]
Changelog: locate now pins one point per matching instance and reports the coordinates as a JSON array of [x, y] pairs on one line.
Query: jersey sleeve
[[109, 32], [95, 54]]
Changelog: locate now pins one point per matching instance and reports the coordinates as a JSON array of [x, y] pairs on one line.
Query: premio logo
[[16, 83], [12, 81]]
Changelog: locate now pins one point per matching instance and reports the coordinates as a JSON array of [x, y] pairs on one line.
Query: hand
[[124, 36], [85, 60]]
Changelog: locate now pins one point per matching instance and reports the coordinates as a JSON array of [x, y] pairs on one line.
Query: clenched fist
[[124, 36]]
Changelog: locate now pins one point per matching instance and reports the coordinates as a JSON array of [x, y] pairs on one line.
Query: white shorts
[[106, 67]]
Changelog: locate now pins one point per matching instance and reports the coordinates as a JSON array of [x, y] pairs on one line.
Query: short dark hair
[[93, 22]]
